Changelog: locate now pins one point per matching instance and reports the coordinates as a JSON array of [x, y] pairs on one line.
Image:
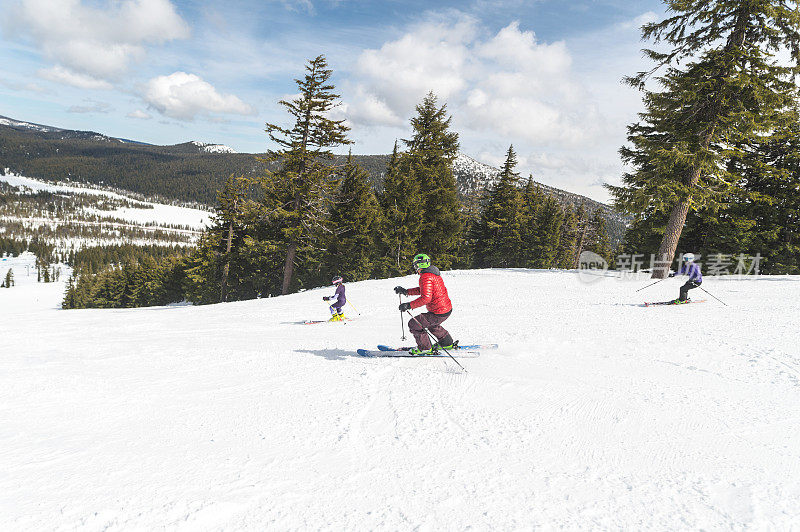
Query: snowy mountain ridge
[[473, 176], [64, 133], [5, 121]]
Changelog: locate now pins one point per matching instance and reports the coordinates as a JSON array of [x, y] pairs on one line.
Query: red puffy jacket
[[432, 292]]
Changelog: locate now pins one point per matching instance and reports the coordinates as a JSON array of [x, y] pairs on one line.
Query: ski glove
[[400, 290], [404, 307], [326, 298]]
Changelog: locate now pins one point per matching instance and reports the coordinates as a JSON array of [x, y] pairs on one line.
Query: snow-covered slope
[[473, 176], [65, 133], [157, 213], [594, 413], [5, 121]]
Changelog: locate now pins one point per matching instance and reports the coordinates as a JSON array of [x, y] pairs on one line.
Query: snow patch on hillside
[[213, 148], [159, 214], [5, 121], [473, 176]]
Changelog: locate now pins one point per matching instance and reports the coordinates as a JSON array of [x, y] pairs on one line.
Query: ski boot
[[450, 347]]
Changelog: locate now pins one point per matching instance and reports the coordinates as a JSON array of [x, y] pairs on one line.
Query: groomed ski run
[[592, 413]]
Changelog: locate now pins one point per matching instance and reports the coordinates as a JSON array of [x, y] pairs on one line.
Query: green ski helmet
[[421, 262]]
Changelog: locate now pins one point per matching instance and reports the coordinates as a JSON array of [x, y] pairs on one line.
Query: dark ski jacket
[[432, 292]]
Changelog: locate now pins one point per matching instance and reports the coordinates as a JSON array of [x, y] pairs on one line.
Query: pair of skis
[[314, 322], [673, 302], [461, 351]]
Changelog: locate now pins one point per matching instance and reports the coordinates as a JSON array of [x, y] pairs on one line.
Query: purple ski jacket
[[338, 300], [692, 270]]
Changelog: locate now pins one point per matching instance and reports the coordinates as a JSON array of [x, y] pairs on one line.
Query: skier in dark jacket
[[338, 299], [692, 269], [433, 295]]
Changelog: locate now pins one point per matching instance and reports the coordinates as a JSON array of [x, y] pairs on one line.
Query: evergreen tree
[[431, 150], [532, 200], [549, 222], [583, 234], [232, 206], [775, 213], [568, 238], [296, 196], [599, 242], [499, 233], [70, 298], [402, 206], [356, 221], [731, 89]]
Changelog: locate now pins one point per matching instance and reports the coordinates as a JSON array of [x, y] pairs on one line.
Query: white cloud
[[297, 5], [60, 74], [184, 96], [22, 86], [90, 107], [508, 83], [95, 42], [560, 103], [433, 56], [641, 20], [139, 114], [369, 110]]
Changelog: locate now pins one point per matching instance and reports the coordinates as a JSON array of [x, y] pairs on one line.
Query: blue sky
[[541, 75]]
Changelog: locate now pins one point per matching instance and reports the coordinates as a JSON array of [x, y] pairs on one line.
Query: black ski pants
[[432, 322], [688, 286]]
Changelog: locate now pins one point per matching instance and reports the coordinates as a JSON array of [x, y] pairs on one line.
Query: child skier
[[338, 299], [690, 268], [433, 294]]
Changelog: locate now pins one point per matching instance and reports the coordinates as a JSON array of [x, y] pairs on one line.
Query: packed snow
[[594, 412]]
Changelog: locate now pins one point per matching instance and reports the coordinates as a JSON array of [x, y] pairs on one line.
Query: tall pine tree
[[356, 222], [499, 233], [296, 196], [403, 209], [429, 158]]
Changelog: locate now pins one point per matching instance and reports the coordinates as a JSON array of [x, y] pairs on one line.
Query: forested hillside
[[186, 173]]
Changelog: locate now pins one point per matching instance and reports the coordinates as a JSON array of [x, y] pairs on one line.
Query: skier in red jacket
[[433, 294]]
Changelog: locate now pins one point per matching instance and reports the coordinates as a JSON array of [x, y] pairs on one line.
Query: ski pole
[[402, 327], [434, 340], [651, 284], [712, 295], [354, 307]]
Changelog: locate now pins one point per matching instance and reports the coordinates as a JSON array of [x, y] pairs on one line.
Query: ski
[[673, 302], [403, 353], [476, 347], [313, 322]]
